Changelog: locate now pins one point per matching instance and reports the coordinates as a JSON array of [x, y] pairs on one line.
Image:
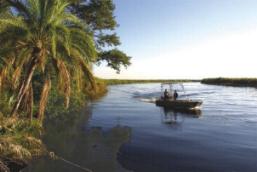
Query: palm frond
[[64, 81], [20, 7], [13, 21], [87, 72], [43, 99], [16, 77], [64, 38], [34, 9]]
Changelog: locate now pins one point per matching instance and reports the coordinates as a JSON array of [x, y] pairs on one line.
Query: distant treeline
[[133, 81], [240, 82]]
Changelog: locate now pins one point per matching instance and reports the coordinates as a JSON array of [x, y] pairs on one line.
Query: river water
[[125, 132]]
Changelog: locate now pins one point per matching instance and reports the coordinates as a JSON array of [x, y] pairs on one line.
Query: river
[[125, 132]]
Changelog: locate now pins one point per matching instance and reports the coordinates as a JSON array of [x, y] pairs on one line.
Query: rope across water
[[54, 156]]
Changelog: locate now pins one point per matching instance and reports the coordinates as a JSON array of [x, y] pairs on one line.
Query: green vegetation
[[240, 82], [98, 15], [43, 39], [19, 142], [133, 81], [46, 57]]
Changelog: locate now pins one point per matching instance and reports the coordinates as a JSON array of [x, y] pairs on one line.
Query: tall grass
[[240, 82], [19, 140]]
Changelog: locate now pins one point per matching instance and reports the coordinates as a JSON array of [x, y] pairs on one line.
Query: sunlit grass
[[20, 139]]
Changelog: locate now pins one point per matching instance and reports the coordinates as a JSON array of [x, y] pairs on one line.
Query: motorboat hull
[[179, 104]]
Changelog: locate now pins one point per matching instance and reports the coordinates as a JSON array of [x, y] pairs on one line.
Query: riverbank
[[143, 81], [21, 138], [237, 82]]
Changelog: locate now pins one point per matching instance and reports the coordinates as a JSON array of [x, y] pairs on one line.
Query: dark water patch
[[183, 159]]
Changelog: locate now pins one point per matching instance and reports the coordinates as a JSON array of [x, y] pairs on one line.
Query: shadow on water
[[91, 147]]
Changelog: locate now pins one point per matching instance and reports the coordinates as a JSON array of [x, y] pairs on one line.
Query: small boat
[[177, 104]]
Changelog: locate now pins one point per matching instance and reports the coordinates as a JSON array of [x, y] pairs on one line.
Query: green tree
[[43, 37], [98, 14]]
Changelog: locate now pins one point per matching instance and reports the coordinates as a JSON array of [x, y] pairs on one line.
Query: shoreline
[[144, 81]]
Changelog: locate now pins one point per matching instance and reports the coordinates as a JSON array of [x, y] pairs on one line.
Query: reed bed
[[239, 82]]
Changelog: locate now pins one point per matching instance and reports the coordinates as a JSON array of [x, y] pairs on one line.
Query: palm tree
[[43, 37]]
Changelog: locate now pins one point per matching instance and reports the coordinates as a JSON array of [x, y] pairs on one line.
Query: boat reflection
[[177, 117], [188, 112]]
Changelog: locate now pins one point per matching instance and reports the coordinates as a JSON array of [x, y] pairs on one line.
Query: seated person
[[166, 94], [175, 95]]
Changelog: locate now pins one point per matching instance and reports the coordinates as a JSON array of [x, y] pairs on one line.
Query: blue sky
[[186, 38]]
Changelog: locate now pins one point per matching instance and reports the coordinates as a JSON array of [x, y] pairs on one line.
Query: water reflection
[[94, 147], [176, 117]]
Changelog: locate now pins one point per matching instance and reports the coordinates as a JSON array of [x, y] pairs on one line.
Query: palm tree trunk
[[25, 85]]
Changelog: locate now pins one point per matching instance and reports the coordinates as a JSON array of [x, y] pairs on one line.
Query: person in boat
[[175, 95], [166, 94]]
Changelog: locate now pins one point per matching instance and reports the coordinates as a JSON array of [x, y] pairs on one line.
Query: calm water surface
[[124, 132]]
